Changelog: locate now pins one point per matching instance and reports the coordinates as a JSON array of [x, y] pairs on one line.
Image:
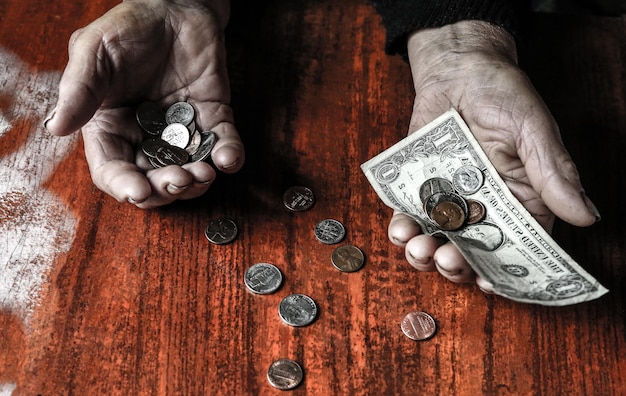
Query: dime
[[181, 113], [151, 118], [171, 155], [297, 310], [221, 231], [298, 198], [418, 326], [330, 231], [448, 216], [347, 258], [206, 146], [263, 278], [476, 211], [176, 134], [434, 185], [468, 179], [284, 374]]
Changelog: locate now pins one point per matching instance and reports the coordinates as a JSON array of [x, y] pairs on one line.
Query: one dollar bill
[[506, 247]]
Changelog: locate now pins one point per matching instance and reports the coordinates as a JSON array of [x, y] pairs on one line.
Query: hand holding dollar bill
[[441, 177]]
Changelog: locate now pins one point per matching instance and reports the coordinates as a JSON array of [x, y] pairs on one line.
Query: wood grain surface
[[102, 298]]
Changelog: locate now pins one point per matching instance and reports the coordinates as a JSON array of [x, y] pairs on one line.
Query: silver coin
[[221, 231], [151, 145], [330, 231], [176, 134], [347, 258], [418, 326], [468, 179], [180, 113], [151, 118], [297, 310], [440, 197], [434, 185], [171, 155], [155, 163], [298, 198], [206, 146], [263, 278], [285, 374], [194, 143]]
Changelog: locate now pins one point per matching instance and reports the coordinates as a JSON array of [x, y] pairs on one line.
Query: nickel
[[263, 278]]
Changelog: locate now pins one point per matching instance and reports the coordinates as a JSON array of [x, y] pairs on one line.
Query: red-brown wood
[[140, 303]]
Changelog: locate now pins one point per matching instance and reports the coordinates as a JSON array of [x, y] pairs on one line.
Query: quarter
[[181, 113], [347, 258], [263, 278], [297, 310], [285, 374], [176, 134], [221, 231], [418, 326]]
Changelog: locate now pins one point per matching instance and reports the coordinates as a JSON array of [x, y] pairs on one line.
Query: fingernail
[[48, 118], [133, 201], [174, 189], [231, 165], [591, 207], [206, 183]]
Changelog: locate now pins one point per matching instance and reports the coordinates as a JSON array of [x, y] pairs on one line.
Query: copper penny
[[448, 216], [347, 258], [476, 211], [285, 374], [418, 326]]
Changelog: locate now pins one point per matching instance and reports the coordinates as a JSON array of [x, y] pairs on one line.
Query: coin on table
[[434, 185], [171, 155], [476, 211], [176, 134], [263, 278], [468, 179], [207, 142], [297, 310], [285, 374], [347, 258], [448, 216], [298, 198], [221, 231], [329, 231], [181, 113], [418, 326], [151, 118]]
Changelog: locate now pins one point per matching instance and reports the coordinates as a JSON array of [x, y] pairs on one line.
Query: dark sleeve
[[401, 17]]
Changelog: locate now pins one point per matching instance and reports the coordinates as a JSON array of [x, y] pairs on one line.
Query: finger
[[82, 86], [402, 228], [168, 184], [484, 285], [452, 265], [420, 252]]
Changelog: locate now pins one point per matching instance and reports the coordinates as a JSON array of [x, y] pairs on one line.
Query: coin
[[194, 143], [448, 216], [329, 231], [263, 278], [298, 198], [151, 145], [206, 146], [221, 231], [347, 258], [181, 113], [476, 211], [467, 179], [176, 134], [171, 155], [440, 197], [151, 118], [297, 310], [434, 185], [418, 326], [284, 374]]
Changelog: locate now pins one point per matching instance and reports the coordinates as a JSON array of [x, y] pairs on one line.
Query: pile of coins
[[172, 135], [444, 203], [298, 309]]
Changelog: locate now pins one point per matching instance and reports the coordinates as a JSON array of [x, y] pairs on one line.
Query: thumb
[[83, 84]]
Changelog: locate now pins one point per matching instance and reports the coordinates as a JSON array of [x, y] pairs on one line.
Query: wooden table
[[102, 298]]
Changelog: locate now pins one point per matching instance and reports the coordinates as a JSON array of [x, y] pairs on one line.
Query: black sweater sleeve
[[401, 17]]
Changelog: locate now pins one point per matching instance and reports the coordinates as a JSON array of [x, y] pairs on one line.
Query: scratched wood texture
[[143, 304]]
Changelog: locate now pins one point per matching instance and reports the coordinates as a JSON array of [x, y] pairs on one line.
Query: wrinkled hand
[[158, 50], [472, 66]]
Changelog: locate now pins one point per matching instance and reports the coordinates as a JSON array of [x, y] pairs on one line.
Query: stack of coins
[[172, 135], [444, 203]]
